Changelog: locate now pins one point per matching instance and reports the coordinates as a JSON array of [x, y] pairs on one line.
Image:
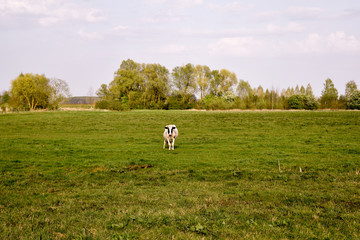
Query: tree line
[[152, 86]]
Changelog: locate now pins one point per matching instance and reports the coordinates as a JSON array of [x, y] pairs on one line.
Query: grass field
[[232, 175]]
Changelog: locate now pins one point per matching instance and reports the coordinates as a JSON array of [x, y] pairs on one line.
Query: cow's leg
[[173, 144], [164, 144], [169, 144]]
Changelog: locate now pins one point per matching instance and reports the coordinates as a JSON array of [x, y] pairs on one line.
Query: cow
[[170, 134]]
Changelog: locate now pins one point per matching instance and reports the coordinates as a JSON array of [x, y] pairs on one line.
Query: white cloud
[[304, 13], [175, 4], [230, 7], [47, 21], [121, 31], [348, 14], [267, 15], [49, 12], [238, 46], [94, 15], [172, 48], [292, 13], [256, 46], [337, 42], [187, 3], [90, 35], [167, 17], [290, 27]]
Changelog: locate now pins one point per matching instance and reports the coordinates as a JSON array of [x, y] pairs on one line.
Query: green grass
[[104, 175], [77, 106]]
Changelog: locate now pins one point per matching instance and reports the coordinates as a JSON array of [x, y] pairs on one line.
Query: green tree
[[136, 85], [329, 95], [245, 93], [354, 101], [309, 91], [59, 91], [184, 81], [32, 90], [259, 97], [128, 83], [244, 89], [222, 81], [103, 92], [284, 99], [302, 90], [4, 100], [202, 76], [301, 101], [350, 89], [271, 98], [156, 85], [227, 81], [296, 101]]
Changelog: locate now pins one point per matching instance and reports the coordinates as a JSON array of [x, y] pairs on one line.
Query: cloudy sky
[[273, 43]]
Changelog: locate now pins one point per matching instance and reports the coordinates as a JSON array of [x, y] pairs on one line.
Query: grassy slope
[[66, 175]]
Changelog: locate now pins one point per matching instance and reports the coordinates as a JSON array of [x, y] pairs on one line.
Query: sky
[[273, 43]]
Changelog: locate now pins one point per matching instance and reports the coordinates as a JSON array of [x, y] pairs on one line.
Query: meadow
[[232, 175]]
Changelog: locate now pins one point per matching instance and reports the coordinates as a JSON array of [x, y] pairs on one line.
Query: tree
[[352, 95], [245, 93], [202, 76], [296, 101], [227, 81], [354, 101], [329, 95], [222, 81], [309, 91], [128, 83], [244, 89], [103, 91], [301, 101], [32, 90], [259, 97], [350, 89], [184, 81], [215, 83], [59, 91], [156, 85], [4, 98], [302, 90]]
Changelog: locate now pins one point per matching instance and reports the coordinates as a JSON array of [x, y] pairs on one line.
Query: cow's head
[[170, 129]]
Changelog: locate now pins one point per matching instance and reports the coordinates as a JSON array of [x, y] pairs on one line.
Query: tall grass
[[232, 175]]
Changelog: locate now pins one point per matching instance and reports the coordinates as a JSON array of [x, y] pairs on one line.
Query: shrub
[[102, 104], [354, 101], [296, 101], [213, 102], [112, 105], [310, 103], [299, 101]]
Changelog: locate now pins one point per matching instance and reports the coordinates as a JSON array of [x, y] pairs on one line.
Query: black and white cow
[[170, 134]]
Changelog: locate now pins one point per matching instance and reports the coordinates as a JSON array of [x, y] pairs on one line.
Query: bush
[[211, 102], [299, 101], [112, 105], [177, 102], [296, 101], [102, 104], [310, 103], [354, 101]]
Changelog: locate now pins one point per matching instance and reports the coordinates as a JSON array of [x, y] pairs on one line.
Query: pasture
[[232, 175]]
